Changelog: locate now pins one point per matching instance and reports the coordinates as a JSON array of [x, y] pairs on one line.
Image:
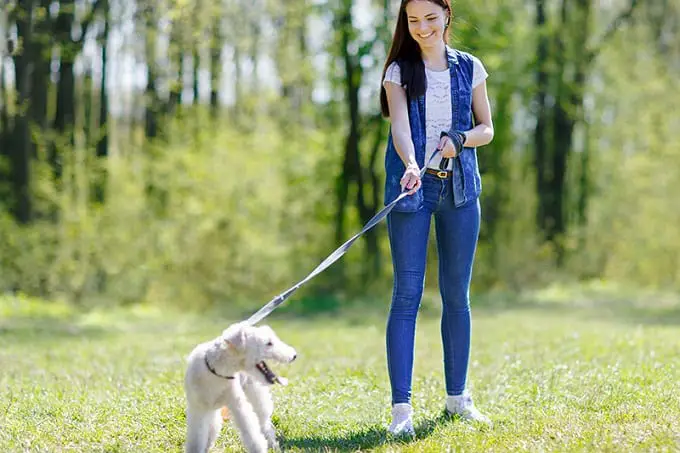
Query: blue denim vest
[[466, 180]]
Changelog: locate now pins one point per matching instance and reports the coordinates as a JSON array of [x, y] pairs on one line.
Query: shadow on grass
[[370, 438], [32, 329]]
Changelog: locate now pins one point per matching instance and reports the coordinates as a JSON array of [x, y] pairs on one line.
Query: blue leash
[[333, 257]]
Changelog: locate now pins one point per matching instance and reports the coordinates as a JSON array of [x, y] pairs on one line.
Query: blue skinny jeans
[[457, 231]]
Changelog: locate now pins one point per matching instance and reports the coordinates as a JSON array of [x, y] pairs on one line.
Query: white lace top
[[437, 102]]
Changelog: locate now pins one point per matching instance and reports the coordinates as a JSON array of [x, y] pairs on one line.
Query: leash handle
[[444, 163]]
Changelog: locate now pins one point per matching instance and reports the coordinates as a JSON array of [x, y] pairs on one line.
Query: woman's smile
[[426, 22]]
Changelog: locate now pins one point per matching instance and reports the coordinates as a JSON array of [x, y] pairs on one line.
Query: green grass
[[556, 371]]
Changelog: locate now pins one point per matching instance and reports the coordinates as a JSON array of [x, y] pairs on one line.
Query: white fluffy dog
[[231, 371]]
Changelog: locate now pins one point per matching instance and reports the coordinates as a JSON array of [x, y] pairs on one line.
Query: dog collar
[[212, 370]]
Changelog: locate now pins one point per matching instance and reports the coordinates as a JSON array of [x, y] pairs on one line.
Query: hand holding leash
[[451, 145], [411, 180]]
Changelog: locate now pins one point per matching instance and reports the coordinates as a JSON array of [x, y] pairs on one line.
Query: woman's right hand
[[411, 179]]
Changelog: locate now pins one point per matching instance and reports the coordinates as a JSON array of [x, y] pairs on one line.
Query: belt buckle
[[441, 174]]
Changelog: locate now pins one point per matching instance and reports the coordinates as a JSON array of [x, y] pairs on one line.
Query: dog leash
[[333, 257]]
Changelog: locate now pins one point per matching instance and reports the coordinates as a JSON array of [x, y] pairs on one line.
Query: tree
[[149, 21], [562, 69], [102, 142], [20, 144], [355, 173]]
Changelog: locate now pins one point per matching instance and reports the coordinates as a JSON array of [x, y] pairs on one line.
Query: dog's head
[[256, 345]]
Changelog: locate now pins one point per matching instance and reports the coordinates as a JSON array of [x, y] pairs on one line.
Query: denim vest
[[466, 180]]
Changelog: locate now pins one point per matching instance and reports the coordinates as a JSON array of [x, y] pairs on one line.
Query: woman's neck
[[435, 57]]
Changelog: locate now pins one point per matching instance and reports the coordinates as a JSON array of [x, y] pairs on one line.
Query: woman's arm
[[401, 135], [451, 142], [401, 129], [482, 133]]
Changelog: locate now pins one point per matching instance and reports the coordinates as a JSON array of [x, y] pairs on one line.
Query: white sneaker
[[463, 406], [402, 423]]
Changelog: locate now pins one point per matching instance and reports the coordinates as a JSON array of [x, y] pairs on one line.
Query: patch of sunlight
[[23, 306], [117, 315]]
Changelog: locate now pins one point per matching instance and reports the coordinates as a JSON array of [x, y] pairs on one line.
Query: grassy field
[[556, 370]]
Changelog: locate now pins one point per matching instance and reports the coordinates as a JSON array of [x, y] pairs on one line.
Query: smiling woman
[[427, 23], [435, 97]]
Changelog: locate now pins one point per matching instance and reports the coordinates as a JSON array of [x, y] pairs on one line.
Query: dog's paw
[[274, 445], [272, 441]]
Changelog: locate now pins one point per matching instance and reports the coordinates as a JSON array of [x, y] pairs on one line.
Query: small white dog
[[231, 371]]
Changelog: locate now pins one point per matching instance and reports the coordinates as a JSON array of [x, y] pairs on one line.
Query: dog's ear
[[235, 336]]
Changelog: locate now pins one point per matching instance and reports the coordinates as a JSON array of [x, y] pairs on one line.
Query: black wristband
[[463, 138], [458, 139]]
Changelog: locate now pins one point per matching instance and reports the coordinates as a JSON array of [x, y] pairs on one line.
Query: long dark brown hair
[[406, 52]]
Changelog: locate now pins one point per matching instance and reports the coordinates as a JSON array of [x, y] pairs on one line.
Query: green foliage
[[632, 231], [237, 209], [212, 217]]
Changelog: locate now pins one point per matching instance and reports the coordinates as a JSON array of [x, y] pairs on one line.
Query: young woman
[[436, 100]]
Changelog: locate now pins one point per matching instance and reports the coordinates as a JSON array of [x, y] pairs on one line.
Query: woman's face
[[426, 22]]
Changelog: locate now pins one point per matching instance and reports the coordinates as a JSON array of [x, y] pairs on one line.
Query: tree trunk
[[176, 87], [567, 108], [102, 151], [150, 93], [305, 84], [216, 44], [4, 121], [21, 145], [103, 142], [493, 164], [569, 64], [352, 170], [196, 61], [238, 84], [65, 113], [584, 183], [255, 101], [41, 73], [292, 63], [541, 151], [562, 128]]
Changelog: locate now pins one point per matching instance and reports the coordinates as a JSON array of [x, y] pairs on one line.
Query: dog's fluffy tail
[[202, 430]]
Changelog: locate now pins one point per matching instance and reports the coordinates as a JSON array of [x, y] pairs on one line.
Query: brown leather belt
[[441, 174]]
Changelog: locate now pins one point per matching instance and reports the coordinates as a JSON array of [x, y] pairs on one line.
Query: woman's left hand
[[447, 148]]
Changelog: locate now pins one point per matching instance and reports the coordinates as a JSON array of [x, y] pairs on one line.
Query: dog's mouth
[[269, 375]]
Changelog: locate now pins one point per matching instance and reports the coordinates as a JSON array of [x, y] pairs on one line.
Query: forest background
[[200, 153]]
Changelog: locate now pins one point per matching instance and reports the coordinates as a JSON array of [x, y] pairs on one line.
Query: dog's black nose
[[294, 357]]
